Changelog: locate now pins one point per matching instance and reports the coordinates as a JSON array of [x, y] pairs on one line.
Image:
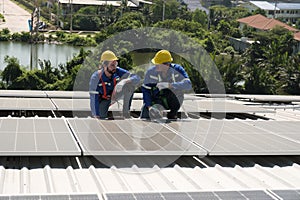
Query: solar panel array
[[88, 136]]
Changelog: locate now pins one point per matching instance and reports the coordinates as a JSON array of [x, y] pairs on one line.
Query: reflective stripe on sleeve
[[146, 87]]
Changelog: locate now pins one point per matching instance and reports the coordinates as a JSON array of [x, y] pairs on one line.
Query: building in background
[[288, 12]]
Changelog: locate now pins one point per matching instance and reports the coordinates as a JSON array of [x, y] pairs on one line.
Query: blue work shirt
[[176, 76], [96, 86]]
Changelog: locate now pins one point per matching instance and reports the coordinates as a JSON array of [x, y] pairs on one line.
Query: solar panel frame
[[114, 137]]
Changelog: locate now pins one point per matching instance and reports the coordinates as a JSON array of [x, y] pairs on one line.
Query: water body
[[29, 54]]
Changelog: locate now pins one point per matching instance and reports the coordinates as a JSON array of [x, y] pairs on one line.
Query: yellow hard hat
[[163, 56], [108, 56]]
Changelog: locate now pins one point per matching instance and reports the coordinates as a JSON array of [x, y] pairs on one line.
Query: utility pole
[[163, 14], [274, 16], [57, 14], [71, 15], [3, 7]]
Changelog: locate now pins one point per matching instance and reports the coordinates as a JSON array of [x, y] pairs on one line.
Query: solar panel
[[287, 194], [221, 137], [72, 104], [255, 194], [36, 136], [286, 129], [220, 106], [51, 197], [268, 98], [26, 104], [130, 137], [22, 93]]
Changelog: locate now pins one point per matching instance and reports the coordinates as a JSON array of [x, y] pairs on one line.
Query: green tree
[[172, 10], [128, 21], [12, 71], [259, 11], [28, 81], [200, 17], [87, 19]]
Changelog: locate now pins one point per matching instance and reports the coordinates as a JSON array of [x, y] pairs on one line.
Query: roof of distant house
[[263, 23], [297, 36], [264, 5]]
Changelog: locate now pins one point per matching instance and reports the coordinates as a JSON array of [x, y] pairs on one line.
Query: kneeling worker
[[109, 82], [164, 85]]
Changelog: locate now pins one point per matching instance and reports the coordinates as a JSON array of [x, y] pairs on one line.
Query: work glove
[[155, 113], [163, 85], [121, 84]]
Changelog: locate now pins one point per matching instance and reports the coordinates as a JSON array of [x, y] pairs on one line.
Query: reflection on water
[[28, 54]]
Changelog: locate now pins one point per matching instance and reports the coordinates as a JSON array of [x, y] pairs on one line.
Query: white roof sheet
[[264, 5], [95, 2], [262, 174], [288, 6]]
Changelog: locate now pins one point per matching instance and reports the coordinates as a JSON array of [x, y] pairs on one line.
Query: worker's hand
[[121, 84], [163, 85]]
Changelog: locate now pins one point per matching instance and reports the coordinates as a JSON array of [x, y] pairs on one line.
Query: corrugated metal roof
[[221, 173]]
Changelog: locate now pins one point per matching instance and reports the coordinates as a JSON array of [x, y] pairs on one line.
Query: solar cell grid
[[224, 137], [36, 136], [26, 104]]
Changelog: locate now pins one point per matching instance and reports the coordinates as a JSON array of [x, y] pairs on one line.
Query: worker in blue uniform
[[164, 86], [108, 84]]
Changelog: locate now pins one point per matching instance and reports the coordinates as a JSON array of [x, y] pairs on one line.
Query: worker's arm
[[94, 94]]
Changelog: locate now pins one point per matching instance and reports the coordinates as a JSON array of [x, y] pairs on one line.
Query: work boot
[[171, 116]]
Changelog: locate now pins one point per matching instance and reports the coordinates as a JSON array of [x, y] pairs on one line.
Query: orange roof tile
[[253, 19], [297, 36], [260, 22]]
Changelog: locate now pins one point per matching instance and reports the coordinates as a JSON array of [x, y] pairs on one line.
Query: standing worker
[[108, 84], [164, 86]]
